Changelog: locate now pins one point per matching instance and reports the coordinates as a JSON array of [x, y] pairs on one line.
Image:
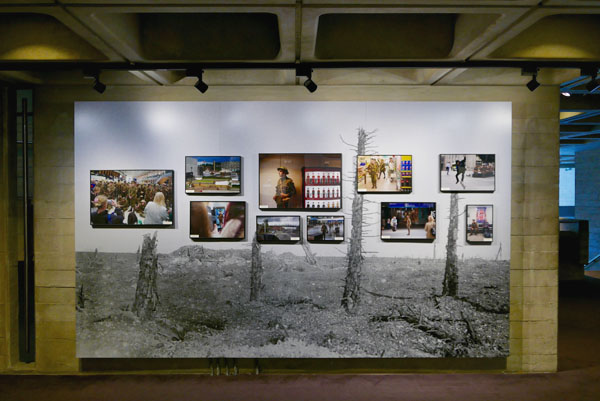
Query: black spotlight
[[98, 86], [532, 72], [309, 83], [533, 84], [200, 84], [94, 74]]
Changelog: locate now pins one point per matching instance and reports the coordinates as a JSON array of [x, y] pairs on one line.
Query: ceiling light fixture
[[533, 84], [200, 84], [532, 72], [565, 94], [95, 75], [99, 86], [309, 83]]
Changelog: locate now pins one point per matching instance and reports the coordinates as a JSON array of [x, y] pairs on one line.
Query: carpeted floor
[[578, 378]]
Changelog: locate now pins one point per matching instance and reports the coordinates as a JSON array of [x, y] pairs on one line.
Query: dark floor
[[578, 377]]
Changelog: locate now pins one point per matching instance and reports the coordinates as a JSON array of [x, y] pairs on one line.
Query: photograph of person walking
[[404, 221], [467, 172]]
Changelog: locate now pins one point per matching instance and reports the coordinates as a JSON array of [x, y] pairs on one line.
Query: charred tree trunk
[[256, 271], [310, 257], [450, 287], [146, 294], [80, 298], [351, 296]]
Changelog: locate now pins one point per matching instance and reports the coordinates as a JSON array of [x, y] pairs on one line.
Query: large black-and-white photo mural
[[152, 293]]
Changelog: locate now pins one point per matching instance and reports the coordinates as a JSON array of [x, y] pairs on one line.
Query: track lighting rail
[[175, 66]]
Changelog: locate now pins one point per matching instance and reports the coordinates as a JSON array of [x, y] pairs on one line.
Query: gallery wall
[[534, 210], [158, 135]]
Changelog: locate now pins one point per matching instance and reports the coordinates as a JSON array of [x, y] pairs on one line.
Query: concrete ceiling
[[291, 31], [288, 31]]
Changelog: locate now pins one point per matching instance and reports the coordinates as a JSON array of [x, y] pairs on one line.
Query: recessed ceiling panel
[[209, 36], [570, 36], [28, 36], [384, 36]]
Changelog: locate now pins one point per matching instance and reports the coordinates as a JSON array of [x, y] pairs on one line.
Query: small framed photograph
[[300, 181], [480, 224], [384, 174], [132, 198], [278, 229], [467, 172], [213, 175], [217, 221], [408, 221], [325, 229]]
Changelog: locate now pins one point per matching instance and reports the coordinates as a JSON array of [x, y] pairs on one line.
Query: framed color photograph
[[213, 175], [300, 181], [131, 198], [480, 224], [384, 174], [467, 172], [408, 221], [217, 221], [278, 229], [325, 229]]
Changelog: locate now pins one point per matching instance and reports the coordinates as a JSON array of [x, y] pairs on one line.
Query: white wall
[[566, 193], [157, 135]]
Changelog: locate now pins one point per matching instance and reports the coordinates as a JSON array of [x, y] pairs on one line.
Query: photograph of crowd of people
[[325, 228], [217, 220], [125, 198], [468, 173], [480, 228], [282, 184], [213, 174], [408, 221], [384, 173], [272, 229]]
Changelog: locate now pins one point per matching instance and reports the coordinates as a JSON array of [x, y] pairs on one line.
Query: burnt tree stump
[[256, 271], [310, 256], [351, 295], [450, 286], [146, 294]]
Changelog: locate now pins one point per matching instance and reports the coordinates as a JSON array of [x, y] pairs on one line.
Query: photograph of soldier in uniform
[[273, 229], [480, 228], [384, 173], [213, 175], [408, 221], [325, 228], [217, 220], [284, 190], [282, 183], [467, 172]]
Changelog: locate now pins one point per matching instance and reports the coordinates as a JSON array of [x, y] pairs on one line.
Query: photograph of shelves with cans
[[322, 188]]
